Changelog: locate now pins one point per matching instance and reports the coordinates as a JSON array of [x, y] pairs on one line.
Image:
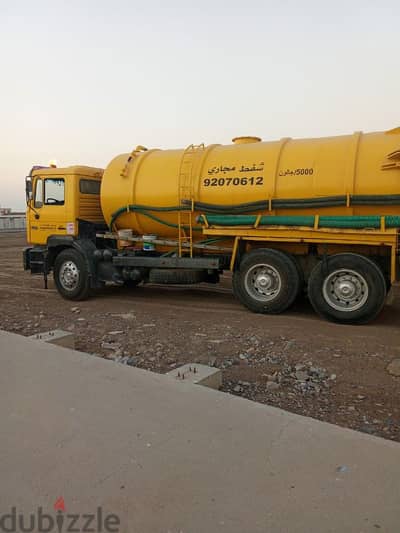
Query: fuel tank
[[342, 175]]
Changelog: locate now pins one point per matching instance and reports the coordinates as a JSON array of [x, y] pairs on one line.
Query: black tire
[[383, 265], [70, 265], [272, 267], [302, 283], [364, 283]]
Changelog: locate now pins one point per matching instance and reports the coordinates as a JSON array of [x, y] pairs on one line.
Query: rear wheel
[[302, 284], [71, 275], [347, 288], [267, 281]]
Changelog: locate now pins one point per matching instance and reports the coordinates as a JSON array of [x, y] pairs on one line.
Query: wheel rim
[[345, 290], [69, 275], [263, 282]]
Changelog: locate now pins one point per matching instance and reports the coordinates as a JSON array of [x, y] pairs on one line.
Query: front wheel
[[267, 281], [347, 288], [71, 275]]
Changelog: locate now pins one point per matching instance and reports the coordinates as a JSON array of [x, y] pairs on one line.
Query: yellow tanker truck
[[321, 214]]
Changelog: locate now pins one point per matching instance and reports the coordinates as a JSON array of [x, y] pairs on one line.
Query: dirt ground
[[294, 361]]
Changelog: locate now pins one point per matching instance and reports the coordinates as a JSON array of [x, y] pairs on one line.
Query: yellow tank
[[344, 175]]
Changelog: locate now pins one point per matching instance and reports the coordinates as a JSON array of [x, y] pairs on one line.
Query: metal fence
[[12, 223]]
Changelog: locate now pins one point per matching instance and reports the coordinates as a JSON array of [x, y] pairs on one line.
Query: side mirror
[[28, 188]]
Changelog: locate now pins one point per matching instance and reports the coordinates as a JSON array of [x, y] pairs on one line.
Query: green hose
[[229, 219], [262, 205], [143, 210], [356, 222]]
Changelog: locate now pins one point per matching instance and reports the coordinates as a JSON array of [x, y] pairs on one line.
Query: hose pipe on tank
[[340, 222], [144, 210], [296, 203], [260, 205]]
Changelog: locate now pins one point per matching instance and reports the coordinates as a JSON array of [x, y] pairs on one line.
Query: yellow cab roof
[[80, 170]]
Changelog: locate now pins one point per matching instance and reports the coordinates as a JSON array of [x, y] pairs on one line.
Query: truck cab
[[59, 198], [62, 203]]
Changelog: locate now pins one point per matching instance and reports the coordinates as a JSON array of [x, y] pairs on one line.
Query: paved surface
[[168, 457]]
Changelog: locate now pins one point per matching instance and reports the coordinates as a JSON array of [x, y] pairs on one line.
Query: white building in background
[[10, 221]]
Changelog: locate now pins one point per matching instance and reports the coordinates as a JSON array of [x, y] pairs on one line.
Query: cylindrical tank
[[362, 170]]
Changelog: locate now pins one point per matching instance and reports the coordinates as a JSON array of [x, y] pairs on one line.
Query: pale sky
[[84, 80]]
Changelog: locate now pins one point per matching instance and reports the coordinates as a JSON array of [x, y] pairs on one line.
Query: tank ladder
[[186, 199]]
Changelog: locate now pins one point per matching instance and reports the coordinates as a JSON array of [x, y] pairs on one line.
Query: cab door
[[50, 210]]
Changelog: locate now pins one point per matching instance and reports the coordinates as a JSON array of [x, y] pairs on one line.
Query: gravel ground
[[294, 361]]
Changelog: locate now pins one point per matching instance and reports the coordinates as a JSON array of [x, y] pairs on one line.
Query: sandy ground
[[295, 361]]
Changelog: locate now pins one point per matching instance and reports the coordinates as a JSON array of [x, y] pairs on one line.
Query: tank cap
[[246, 139]]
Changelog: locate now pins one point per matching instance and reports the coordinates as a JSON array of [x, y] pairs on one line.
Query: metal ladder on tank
[[186, 199]]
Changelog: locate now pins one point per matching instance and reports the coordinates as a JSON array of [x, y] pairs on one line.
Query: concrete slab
[[168, 457], [197, 374], [56, 336]]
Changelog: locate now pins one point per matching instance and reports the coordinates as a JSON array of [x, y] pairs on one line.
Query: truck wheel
[[347, 288], [71, 275], [302, 284], [267, 281]]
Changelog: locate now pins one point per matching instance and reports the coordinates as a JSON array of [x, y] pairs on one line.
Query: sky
[[84, 80]]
